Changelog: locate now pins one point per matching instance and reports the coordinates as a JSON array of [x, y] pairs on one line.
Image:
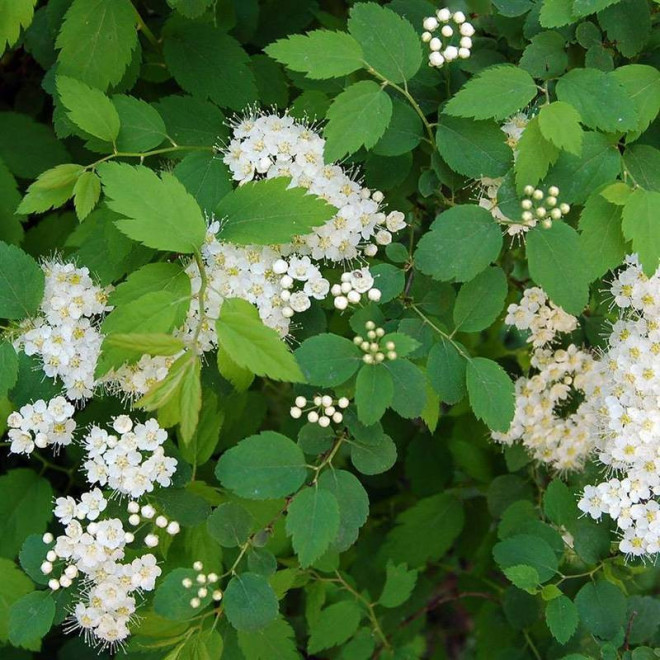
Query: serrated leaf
[[409, 381], [230, 524], [190, 399], [374, 389], [358, 117], [328, 360], [627, 24], [524, 577], [535, 156], [159, 212], [240, 377], [494, 93], [529, 550], [557, 13], [205, 177], [250, 602], [86, 193], [96, 41], [491, 393], [399, 583], [480, 301], [319, 54], [141, 127], [642, 84], [545, 57], [21, 283], [269, 211], [641, 227], [560, 124], [263, 466], [31, 617], [312, 522], [53, 188], [602, 608], [274, 641], [446, 369], [334, 625], [153, 343], [14, 16], [561, 615]]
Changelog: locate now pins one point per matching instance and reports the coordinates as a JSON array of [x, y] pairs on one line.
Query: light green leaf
[[52, 189], [269, 211], [86, 193], [556, 13], [275, 641], [334, 625], [389, 42], [141, 127], [312, 522], [252, 345], [446, 369], [494, 93], [13, 584], [21, 283], [560, 124], [586, 7], [602, 608], [557, 265], [528, 550], [640, 225], [642, 84], [473, 148], [601, 101], [14, 16], [240, 377], [358, 117], [491, 393], [319, 54], [159, 212], [263, 467], [250, 602], [524, 577], [146, 343], [190, 399], [535, 156], [96, 41], [461, 243], [562, 618], [480, 301], [31, 617], [399, 583], [328, 360], [230, 525], [643, 163], [374, 389]]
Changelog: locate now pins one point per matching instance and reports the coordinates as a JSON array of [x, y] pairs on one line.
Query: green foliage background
[[410, 535]]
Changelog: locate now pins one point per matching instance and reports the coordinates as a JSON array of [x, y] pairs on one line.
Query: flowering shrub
[[329, 330]]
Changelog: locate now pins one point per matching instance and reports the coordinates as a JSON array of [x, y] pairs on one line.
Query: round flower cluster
[[354, 284], [324, 410], [374, 353], [442, 50], [539, 206], [41, 424], [628, 442], [563, 377], [118, 460], [202, 582], [64, 335]]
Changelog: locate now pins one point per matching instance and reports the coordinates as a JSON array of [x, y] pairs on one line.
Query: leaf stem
[[442, 333], [144, 28]]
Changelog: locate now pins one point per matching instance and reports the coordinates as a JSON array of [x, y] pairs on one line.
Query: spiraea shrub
[[329, 329]]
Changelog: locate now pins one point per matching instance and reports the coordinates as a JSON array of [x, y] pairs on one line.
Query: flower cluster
[[564, 379], [64, 335], [354, 285], [442, 48], [374, 353], [41, 424], [539, 206], [202, 582], [118, 461], [628, 441], [324, 410]]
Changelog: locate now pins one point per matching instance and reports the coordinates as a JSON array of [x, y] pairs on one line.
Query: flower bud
[[430, 23], [301, 401], [341, 302], [447, 31]]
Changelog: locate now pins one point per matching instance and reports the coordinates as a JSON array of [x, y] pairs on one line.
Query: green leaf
[[491, 393], [11, 230], [86, 193], [141, 127], [528, 550], [556, 13], [192, 121], [21, 283], [399, 583], [557, 265], [31, 617], [446, 369], [319, 54], [263, 467], [546, 56], [172, 599], [190, 8], [269, 211], [560, 124], [252, 345], [409, 381], [147, 343], [374, 389], [328, 360], [404, 132], [159, 212], [601, 101], [494, 93], [641, 227], [8, 367], [372, 451], [14, 16], [524, 577], [96, 41], [425, 531], [586, 7], [473, 148], [190, 399], [627, 24], [13, 585], [535, 156], [275, 641], [601, 241], [209, 63], [53, 188], [358, 117], [334, 625], [602, 608], [312, 522], [230, 525], [205, 177], [642, 85], [250, 602], [205, 439], [480, 301], [643, 163], [559, 504], [353, 504], [238, 376], [468, 233], [89, 108]]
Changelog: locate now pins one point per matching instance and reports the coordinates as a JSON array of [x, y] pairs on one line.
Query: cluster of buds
[[442, 48], [374, 353], [70, 572], [355, 284], [537, 206], [203, 583], [147, 512], [324, 409]]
